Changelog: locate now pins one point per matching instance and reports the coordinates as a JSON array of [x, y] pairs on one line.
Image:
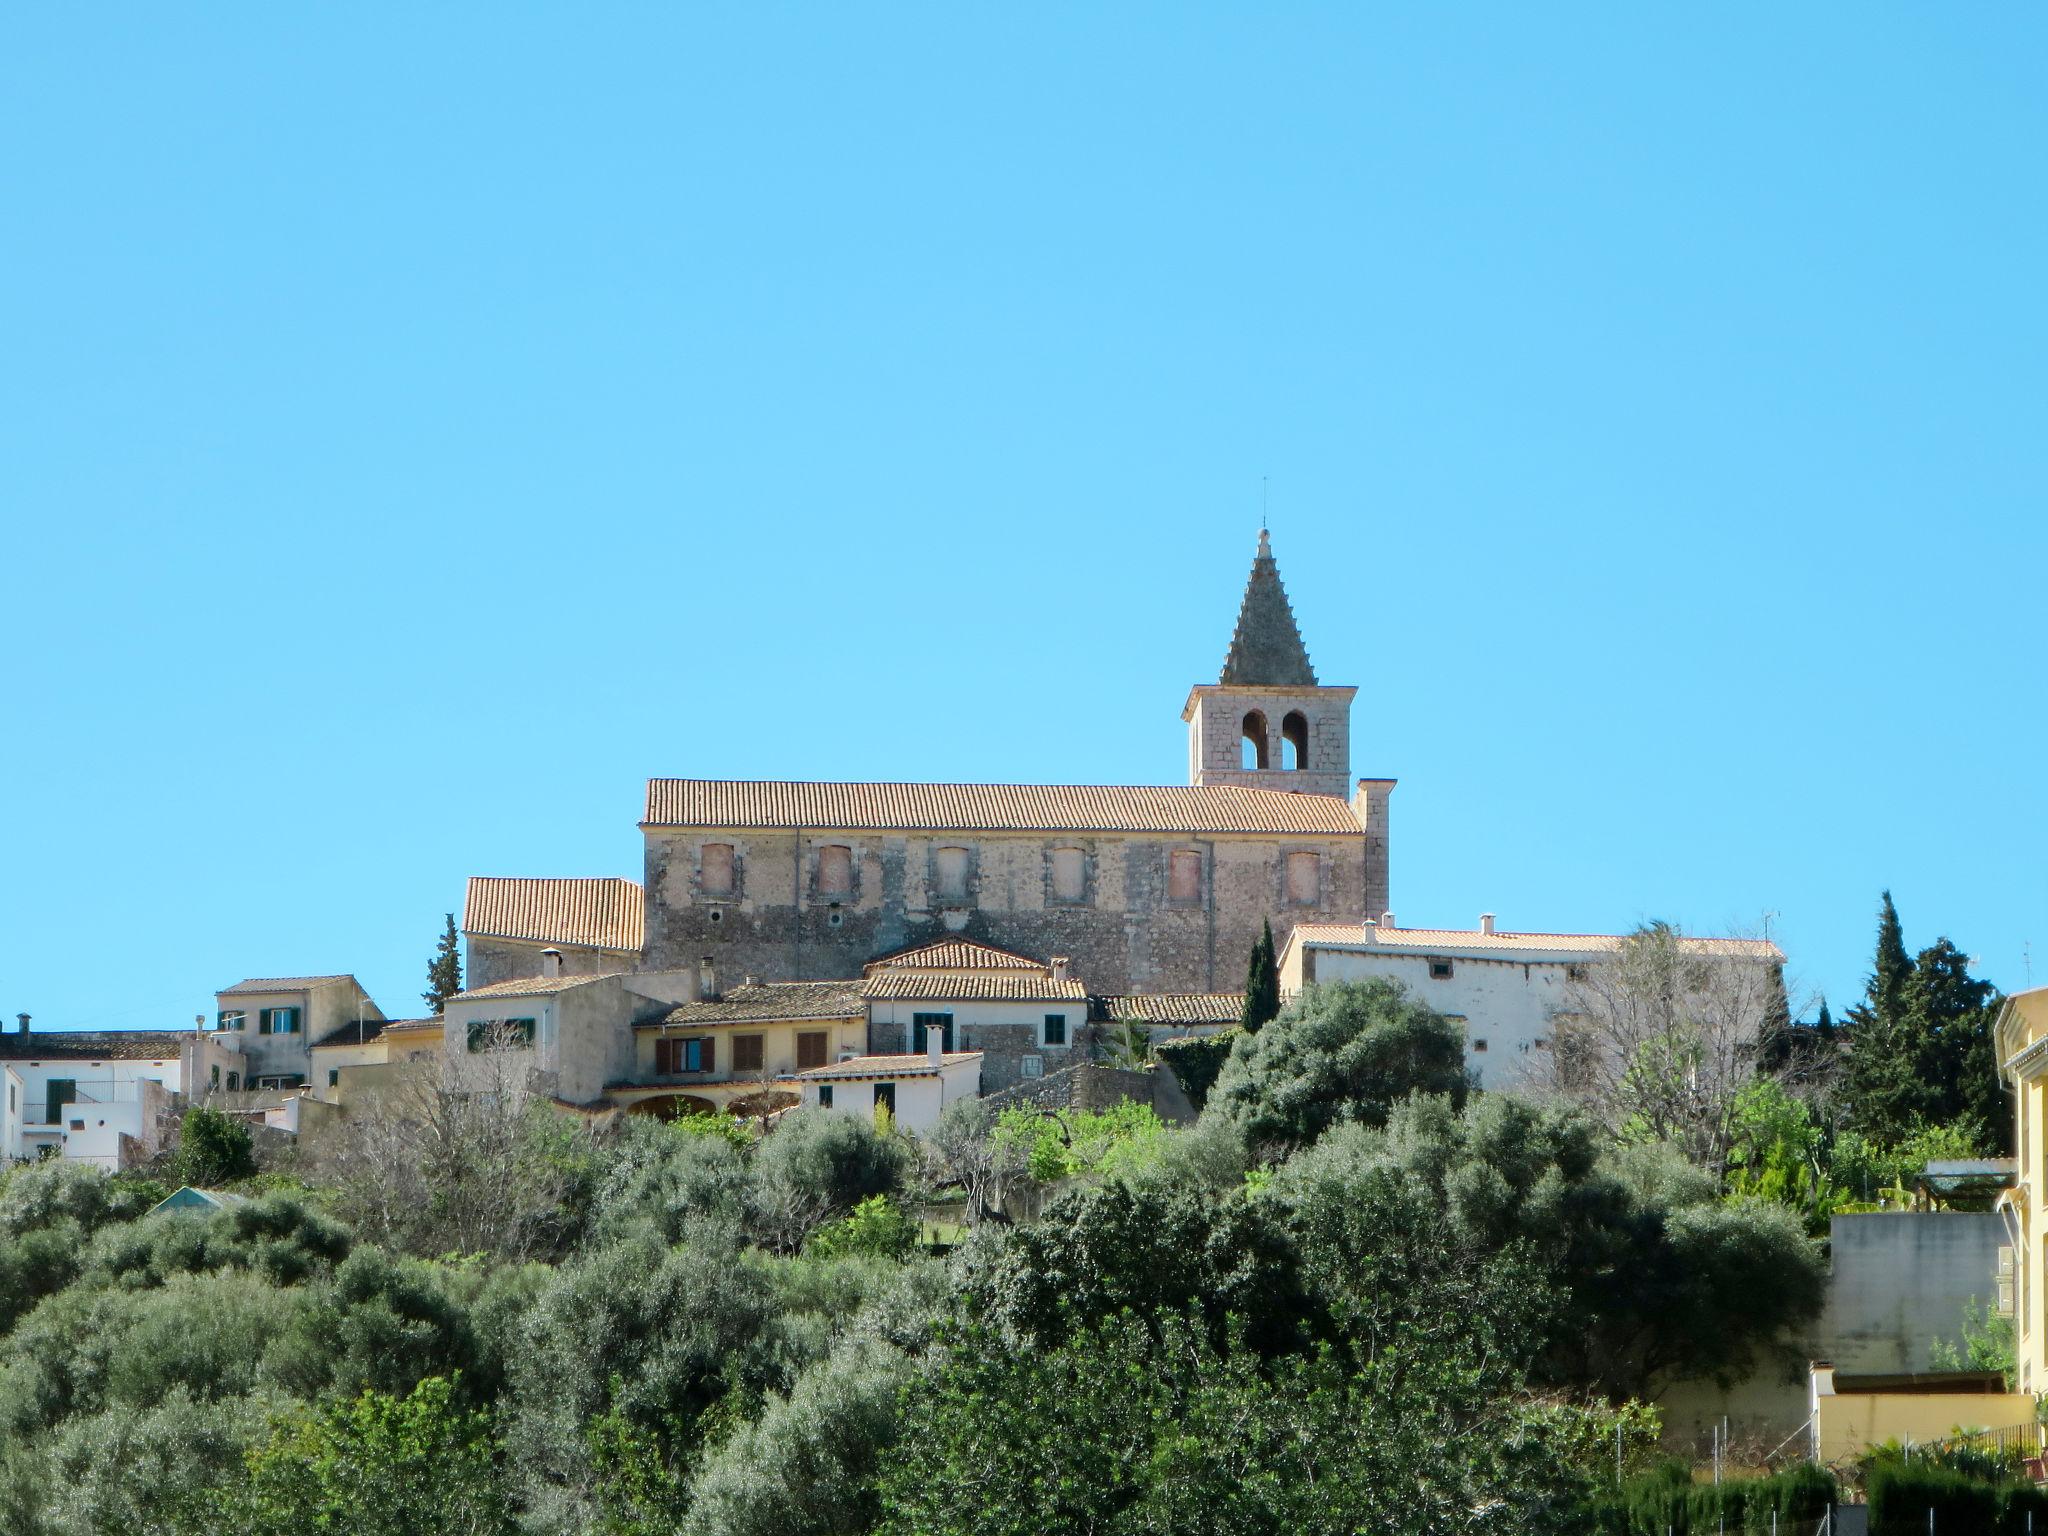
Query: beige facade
[[272, 1022], [2021, 1037]]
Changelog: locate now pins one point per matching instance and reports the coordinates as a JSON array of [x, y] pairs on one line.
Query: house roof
[[916, 1064], [971, 986], [529, 986], [592, 914], [1174, 1007], [1266, 648], [956, 955], [1467, 940], [94, 1045], [766, 1002], [353, 1034], [1194, 810], [287, 984]]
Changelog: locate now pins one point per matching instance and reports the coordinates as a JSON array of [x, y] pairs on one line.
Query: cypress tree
[[1261, 983], [444, 971], [1886, 1092]]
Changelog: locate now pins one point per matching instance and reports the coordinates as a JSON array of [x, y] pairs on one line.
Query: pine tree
[[1887, 1094], [444, 971], [1893, 966], [1948, 1016], [1261, 984]]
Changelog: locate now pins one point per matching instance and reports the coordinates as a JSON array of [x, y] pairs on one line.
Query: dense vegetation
[[1353, 1297]]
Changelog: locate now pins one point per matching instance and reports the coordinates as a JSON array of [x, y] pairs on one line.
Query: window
[[1184, 877], [216, 1075], [234, 1081], [59, 1092], [278, 1021], [1252, 754], [674, 1056], [1069, 874], [1304, 879], [746, 1053], [233, 1018], [922, 1023], [714, 869], [949, 869], [333, 1077], [824, 1095], [885, 1098], [1479, 1046], [1294, 741], [811, 1046], [1575, 973], [1031, 1066], [835, 870], [504, 1034], [1055, 1029], [1439, 970]]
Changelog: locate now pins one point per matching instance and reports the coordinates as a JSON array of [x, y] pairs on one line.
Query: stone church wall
[[490, 960], [1124, 934]]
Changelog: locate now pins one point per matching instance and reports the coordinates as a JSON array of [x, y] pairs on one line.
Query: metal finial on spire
[[1266, 649]]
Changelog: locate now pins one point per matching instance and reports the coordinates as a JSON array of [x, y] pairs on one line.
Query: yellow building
[[717, 1054], [2021, 1039]]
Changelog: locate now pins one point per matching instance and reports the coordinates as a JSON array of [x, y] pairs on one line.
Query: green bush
[[1667, 1499], [1196, 1062], [1902, 1493], [213, 1149]]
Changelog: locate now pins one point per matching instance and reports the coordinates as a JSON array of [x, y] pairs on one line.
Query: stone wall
[[1124, 935], [490, 960]]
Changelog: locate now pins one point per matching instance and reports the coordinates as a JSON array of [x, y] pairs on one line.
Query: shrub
[[1346, 1051], [1196, 1061], [878, 1228], [816, 1165], [213, 1149]]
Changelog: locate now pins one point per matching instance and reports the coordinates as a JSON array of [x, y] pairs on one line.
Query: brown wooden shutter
[[710, 1053]]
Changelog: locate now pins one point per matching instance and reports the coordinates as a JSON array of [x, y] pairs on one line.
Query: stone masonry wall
[[1123, 936], [489, 960]]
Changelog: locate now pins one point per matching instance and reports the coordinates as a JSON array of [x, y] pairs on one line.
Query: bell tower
[[1266, 723]]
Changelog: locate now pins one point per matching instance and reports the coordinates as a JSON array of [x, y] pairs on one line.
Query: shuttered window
[[921, 1026], [811, 1046], [674, 1057], [746, 1053]]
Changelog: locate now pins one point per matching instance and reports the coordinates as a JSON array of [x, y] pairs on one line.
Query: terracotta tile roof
[[286, 984], [1189, 809], [529, 986], [967, 986], [1462, 940], [1174, 1007], [916, 1064], [593, 914], [768, 1001], [956, 955], [400, 1026], [93, 1045]]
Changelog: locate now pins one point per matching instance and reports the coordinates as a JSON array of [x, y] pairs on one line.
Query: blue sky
[[420, 425]]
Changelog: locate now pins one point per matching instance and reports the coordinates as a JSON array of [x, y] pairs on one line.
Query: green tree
[[1885, 1092], [213, 1149], [1949, 1016], [1261, 983], [1342, 1051], [444, 971], [374, 1465]]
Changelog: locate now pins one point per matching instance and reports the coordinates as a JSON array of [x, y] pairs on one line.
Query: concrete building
[[94, 1096], [2021, 1036], [1508, 990], [274, 1020], [915, 1087]]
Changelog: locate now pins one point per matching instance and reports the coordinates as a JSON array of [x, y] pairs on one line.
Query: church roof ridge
[[1266, 647]]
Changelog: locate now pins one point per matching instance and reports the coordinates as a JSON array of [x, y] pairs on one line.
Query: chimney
[[707, 980], [1372, 930], [550, 964], [1387, 920], [1486, 922], [21, 1023], [1059, 967], [935, 1046]]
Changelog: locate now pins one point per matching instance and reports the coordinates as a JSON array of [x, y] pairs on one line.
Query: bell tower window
[[1294, 741], [1254, 748]]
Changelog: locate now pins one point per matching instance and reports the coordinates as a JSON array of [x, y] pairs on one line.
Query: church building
[[1143, 888]]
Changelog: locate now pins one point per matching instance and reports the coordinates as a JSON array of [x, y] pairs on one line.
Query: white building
[[1506, 989], [96, 1097], [913, 1086]]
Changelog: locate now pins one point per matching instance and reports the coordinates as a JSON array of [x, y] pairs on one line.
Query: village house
[[271, 1023], [93, 1096]]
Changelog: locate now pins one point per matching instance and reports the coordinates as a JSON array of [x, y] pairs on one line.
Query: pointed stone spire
[[1267, 651]]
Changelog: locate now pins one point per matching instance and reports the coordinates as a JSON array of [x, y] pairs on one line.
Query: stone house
[[594, 926], [271, 1023]]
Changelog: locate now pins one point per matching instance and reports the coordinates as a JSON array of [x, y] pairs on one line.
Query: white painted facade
[[1508, 990], [96, 1101], [921, 1090]]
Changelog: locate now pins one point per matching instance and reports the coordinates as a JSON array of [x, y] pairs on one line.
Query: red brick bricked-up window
[[835, 870], [714, 876], [1184, 878]]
